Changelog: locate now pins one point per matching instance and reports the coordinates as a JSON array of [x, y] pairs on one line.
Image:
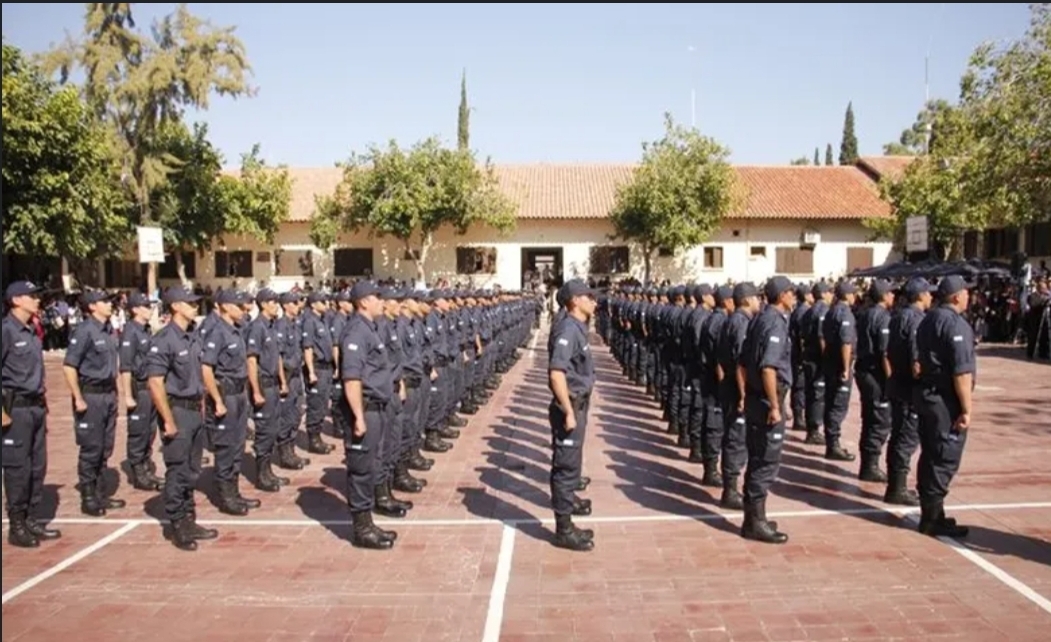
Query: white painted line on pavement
[[69, 561], [1010, 581], [494, 619]]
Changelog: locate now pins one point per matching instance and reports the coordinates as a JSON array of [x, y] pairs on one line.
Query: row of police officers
[[392, 369], [733, 366]]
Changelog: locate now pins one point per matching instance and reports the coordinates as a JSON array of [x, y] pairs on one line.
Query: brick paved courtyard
[[473, 561]]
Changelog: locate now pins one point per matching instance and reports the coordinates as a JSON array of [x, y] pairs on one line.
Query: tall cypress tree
[[848, 148], [817, 158], [463, 124], [828, 154]]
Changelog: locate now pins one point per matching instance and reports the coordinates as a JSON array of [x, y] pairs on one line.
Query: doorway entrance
[[545, 262]]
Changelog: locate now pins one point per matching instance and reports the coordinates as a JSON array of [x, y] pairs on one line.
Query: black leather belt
[[189, 403], [98, 388]]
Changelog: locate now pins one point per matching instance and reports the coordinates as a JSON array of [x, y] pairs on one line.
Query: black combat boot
[[366, 534], [836, 452], [418, 462], [251, 502], [870, 470], [90, 503], [445, 432], [731, 498], [455, 422], [711, 477], [142, 479], [385, 504], [933, 522], [18, 533], [433, 443], [570, 537], [583, 484], [403, 503], [228, 501], [182, 535], [898, 491], [581, 507], [814, 437], [286, 457], [265, 480], [41, 531], [110, 503], [317, 446], [198, 532], [756, 527], [404, 482], [696, 454]]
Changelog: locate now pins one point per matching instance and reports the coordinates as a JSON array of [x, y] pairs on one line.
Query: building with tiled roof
[[797, 220]]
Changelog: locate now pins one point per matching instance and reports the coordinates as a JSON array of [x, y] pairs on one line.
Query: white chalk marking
[[1008, 580], [69, 561], [494, 619]]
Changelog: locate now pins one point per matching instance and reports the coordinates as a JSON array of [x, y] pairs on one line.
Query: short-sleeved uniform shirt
[[571, 354], [175, 355], [224, 351], [363, 357], [769, 345], [23, 358], [945, 342], [134, 348], [93, 352]]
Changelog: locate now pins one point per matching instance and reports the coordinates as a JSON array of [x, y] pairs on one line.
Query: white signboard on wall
[[151, 244], [916, 234]]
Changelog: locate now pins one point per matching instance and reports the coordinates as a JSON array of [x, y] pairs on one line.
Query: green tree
[[802, 160], [817, 157], [678, 194], [139, 83], [848, 147], [62, 192], [828, 154], [1006, 95], [410, 195], [463, 124], [198, 203], [929, 122]]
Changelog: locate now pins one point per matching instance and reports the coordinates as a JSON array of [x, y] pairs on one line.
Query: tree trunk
[[180, 269], [647, 263], [421, 259]]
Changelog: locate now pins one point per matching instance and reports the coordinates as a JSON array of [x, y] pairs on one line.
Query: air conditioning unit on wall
[[810, 237]]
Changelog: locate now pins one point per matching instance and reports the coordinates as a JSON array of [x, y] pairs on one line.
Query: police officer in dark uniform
[[732, 388], [810, 333], [142, 416], [290, 341], [872, 371], [945, 342], [804, 299], [174, 370], [266, 382], [24, 449], [766, 366], [904, 364], [839, 338], [90, 367], [225, 376], [318, 364], [571, 372], [368, 390]]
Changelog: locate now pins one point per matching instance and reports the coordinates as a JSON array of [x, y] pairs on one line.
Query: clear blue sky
[[573, 82]]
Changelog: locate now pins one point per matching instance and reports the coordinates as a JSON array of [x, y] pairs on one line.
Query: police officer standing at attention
[[571, 372], [945, 342], [90, 367], [839, 338], [290, 342], [904, 364], [872, 370], [225, 375], [368, 387], [142, 417], [266, 381], [318, 363], [766, 367], [174, 371], [24, 417]]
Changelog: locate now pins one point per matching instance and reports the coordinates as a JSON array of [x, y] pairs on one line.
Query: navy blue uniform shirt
[[93, 352], [224, 351], [571, 354], [769, 345], [363, 356], [175, 355], [23, 364]]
